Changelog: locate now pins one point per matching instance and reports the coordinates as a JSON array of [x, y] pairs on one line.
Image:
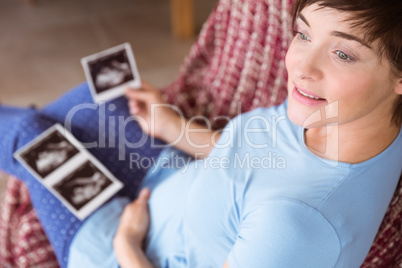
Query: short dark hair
[[380, 20]]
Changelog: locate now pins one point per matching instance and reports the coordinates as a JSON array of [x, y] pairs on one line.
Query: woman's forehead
[[337, 23]]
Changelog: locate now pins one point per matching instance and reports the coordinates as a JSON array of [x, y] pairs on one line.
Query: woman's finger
[[134, 107], [144, 195], [138, 94]]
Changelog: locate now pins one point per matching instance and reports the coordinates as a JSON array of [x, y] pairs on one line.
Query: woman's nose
[[310, 66]]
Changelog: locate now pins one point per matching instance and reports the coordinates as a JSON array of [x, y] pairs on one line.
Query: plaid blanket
[[23, 242]]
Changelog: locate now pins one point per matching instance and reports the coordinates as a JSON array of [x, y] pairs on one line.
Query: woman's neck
[[350, 145]]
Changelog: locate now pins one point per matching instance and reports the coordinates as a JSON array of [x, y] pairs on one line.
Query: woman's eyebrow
[[339, 34], [304, 19], [350, 37]]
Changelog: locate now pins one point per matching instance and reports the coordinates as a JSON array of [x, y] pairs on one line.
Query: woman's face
[[328, 63]]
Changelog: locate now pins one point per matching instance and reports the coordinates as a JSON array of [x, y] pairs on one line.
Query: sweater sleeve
[[285, 233]]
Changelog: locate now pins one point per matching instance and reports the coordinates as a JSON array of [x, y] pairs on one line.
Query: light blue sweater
[[261, 199]]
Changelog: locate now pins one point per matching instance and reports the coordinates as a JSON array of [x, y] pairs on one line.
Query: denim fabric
[[106, 130]]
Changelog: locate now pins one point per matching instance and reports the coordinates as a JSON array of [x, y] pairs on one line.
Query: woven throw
[[386, 250], [22, 239], [237, 64]]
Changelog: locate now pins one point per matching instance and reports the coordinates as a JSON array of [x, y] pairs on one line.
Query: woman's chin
[[296, 119], [305, 119], [296, 116]]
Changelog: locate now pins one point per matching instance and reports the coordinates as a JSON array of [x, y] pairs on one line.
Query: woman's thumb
[[144, 194]]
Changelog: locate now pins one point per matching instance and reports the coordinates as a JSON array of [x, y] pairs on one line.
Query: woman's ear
[[398, 86]]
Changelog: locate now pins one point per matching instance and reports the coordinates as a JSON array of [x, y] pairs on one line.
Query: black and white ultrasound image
[[110, 71], [49, 154], [82, 185]]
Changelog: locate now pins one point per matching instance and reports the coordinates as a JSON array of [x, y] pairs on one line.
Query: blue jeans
[[107, 130]]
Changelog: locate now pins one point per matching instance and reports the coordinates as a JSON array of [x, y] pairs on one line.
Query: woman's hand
[[151, 111], [165, 122], [134, 222], [130, 235]]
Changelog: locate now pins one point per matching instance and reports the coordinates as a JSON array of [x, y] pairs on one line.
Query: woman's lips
[[306, 97]]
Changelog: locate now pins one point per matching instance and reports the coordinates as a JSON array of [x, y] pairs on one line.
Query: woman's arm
[[133, 227], [129, 255], [165, 121]]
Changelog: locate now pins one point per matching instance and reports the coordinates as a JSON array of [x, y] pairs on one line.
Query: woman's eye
[[343, 56], [302, 36]]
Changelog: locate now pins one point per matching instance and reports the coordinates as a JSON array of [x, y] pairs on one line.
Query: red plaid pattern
[[22, 239], [386, 250], [237, 63]]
